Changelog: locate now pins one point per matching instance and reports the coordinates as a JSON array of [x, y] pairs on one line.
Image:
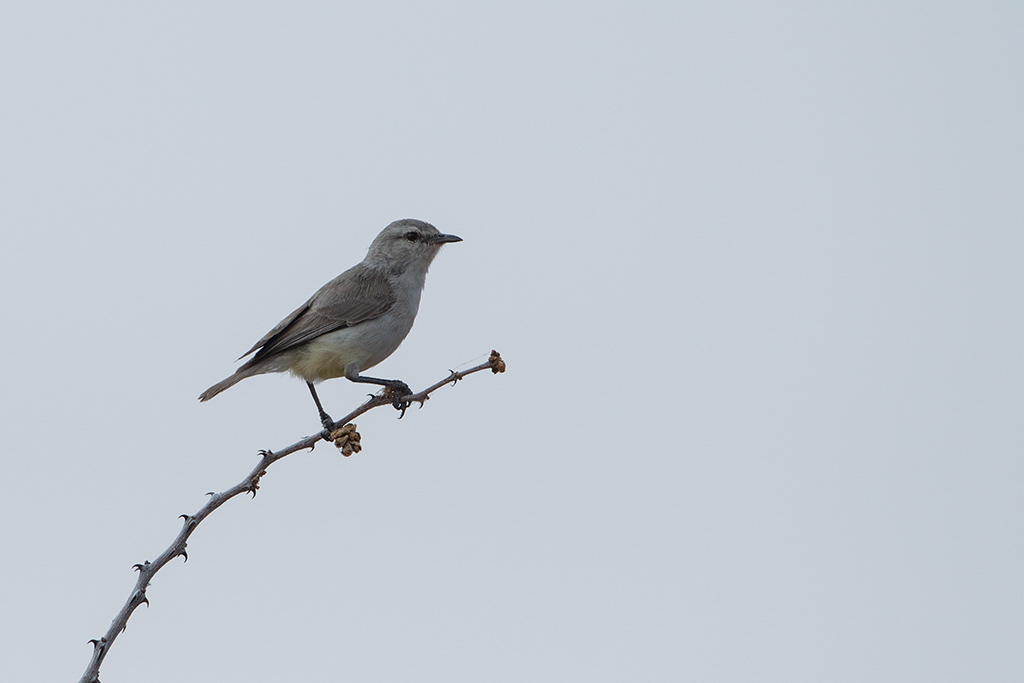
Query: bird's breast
[[365, 344]]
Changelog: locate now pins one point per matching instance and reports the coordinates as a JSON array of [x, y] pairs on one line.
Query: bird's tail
[[231, 381]]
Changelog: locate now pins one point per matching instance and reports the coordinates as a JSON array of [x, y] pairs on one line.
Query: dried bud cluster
[[347, 439], [497, 364]]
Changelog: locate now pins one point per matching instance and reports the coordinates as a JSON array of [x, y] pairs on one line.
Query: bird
[[354, 321]]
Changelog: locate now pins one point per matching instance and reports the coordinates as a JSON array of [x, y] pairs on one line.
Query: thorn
[[144, 599], [185, 517], [184, 554], [140, 567], [454, 377], [210, 493], [266, 453]]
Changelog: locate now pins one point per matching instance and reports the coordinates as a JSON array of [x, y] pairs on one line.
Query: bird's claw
[[402, 406], [398, 390]]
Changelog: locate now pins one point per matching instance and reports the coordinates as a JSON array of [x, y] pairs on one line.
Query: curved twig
[[250, 484]]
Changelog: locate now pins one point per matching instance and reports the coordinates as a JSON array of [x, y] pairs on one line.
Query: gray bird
[[354, 321]]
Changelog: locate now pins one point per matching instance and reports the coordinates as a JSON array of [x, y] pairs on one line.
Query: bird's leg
[[397, 386], [325, 419]]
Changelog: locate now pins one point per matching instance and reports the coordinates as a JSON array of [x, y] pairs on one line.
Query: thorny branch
[[341, 433]]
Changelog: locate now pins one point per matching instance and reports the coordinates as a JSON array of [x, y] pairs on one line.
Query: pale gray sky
[[756, 269]]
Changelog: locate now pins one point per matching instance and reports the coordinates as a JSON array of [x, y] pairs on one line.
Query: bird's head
[[405, 244]]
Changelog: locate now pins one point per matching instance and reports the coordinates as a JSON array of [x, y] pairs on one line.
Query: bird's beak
[[443, 239]]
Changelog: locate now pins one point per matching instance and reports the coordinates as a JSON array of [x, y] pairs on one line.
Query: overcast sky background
[[756, 270]]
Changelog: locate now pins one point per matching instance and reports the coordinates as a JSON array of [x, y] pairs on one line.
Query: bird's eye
[[412, 235]]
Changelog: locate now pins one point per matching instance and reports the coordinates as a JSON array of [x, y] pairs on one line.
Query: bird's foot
[[326, 420], [399, 387], [398, 390]]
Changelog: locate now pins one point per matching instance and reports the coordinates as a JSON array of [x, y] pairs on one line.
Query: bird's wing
[[280, 327], [357, 295]]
